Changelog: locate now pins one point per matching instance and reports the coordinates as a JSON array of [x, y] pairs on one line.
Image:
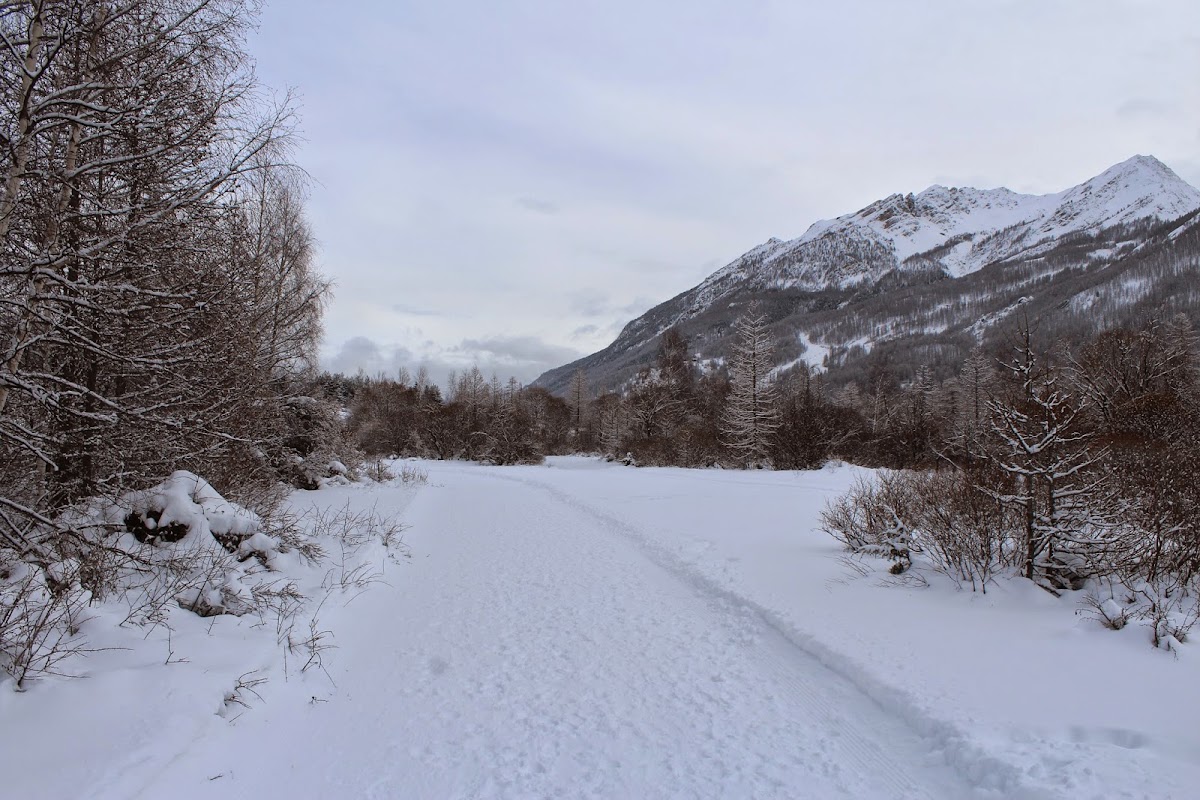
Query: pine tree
[[750, 417]]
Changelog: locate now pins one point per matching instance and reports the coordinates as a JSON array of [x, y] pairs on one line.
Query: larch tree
[[578, 398], [1039, 440], [609, 414], [970, 420], [751, 417]]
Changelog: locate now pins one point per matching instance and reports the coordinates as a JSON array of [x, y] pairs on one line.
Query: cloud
[[1147, 108], [537, 205], [639, 306], [413, 310], [595, 303], [530, 183], [585, 331], [589, 303], [518, 352], [522, 357], [361, 354]]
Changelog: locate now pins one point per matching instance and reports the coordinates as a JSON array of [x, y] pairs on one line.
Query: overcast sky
[[507, 183]]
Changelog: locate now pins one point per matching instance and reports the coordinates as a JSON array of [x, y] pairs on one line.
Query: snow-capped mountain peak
[[1140, 188], [959, 230]]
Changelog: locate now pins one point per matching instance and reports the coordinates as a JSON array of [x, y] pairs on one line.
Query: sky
[[507, 184]]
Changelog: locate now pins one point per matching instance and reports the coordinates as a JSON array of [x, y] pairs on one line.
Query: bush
[[947, 517], [40, 615], [961, 528], [870, 518]]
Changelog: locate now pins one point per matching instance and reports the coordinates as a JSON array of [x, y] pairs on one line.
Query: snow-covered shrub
[[177, 542], [181, 544], [377, 470], [41, 611], [947, 517], [1107, 611], [871, 518], [1167, 606]]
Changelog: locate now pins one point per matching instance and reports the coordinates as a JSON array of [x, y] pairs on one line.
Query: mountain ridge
[[941, 233]]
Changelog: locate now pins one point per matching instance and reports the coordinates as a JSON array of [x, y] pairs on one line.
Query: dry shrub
[[963, 531], [871, 518], [411, 475], [40, 618], [959, 528], [378, 470]]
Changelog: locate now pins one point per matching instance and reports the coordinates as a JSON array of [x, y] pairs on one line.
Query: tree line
[[743, 411]]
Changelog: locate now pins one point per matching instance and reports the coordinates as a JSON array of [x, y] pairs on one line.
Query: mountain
[[923, 278]]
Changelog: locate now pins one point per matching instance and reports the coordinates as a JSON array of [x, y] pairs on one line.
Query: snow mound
[[179, 539], [186, 505]]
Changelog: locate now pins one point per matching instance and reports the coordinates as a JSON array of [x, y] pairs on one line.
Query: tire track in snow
[[920, 736]]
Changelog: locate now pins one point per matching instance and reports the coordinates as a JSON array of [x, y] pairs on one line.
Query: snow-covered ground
[[582, 629], [814, 356]]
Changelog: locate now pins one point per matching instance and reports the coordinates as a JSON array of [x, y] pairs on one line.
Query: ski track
[[548, 649]]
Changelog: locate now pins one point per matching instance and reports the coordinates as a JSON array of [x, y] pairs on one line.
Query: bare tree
[[578, 398], [970, 421], [751, 416], [157, 293]]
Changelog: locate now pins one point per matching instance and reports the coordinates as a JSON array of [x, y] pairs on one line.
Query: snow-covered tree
[[751, 418], [1039, 440], [157, 293]]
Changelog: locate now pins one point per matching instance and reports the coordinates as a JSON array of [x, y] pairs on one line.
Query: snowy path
[[534, 649]]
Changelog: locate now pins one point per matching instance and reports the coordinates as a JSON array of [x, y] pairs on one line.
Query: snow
[[981, 226], [992, 319], [189, 500], [993, 221], [1125, 292], [584, 629], [814, 356]]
